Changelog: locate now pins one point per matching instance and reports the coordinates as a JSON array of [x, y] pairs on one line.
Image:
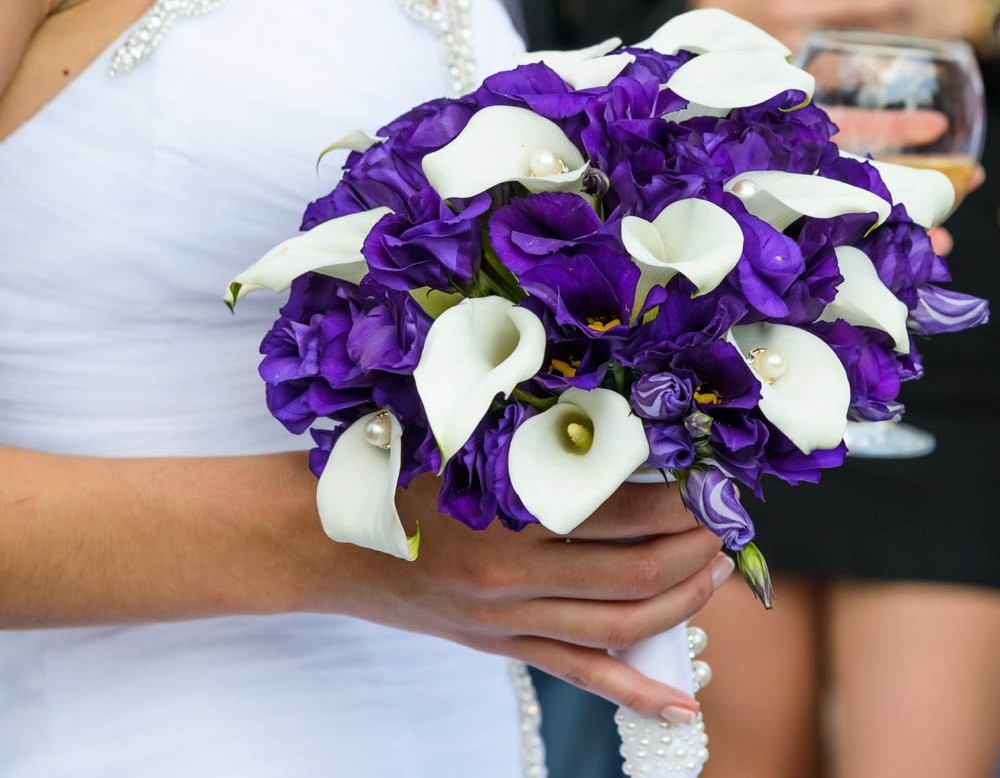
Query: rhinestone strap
[[532, 747], [152, 27], [450, 21]]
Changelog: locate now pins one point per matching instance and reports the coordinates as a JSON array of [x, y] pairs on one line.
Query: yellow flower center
[[707, 396], [600, 325], [563, 368], [580, 435]]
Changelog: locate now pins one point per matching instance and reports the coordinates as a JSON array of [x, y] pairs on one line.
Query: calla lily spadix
[[927, 194], [584, 68], [693, 237], [356, 495], [504, 143], [482, 347], [332, 248], [736, 79], [804, 388], [710, 29], [567, 460], [779, 198], [862, 299]]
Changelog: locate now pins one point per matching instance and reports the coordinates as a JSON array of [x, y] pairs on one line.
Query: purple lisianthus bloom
[[442, 253], [532, 229], [770, 264], [872, 367], [670, 445], [463, 494], [904, 258], [720, 375], [942, 310], [592, 294], [663, 396], [578, 361], [786, 461], [682, 321], [496, 441], [816, 287], [712, 497], [738, 440], [390, 334]]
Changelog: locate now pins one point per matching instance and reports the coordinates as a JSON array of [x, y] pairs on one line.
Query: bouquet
[[615, 261]]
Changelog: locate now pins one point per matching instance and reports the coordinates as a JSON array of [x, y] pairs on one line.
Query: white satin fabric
[[126, 206]]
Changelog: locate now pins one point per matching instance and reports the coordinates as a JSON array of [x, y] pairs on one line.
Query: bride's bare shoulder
[[45, 44]]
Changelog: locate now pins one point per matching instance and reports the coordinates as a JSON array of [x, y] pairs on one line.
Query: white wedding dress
[[126, 206]]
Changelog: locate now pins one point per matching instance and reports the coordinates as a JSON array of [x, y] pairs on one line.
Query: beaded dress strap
[[449, 19]]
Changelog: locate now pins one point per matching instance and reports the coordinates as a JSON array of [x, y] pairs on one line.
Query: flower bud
[[753, 566]]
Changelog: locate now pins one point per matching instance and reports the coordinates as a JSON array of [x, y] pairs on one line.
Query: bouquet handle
[[651, 746]]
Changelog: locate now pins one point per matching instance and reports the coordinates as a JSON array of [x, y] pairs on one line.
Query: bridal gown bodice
[[126, 206]]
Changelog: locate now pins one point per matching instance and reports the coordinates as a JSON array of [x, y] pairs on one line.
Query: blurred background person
[[880, 656]]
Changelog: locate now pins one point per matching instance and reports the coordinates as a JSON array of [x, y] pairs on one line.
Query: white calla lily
[[779, 198], [356, 495], [332, 248], [567, 460], [584, 68], [505, 143], [862, 299], [927, 194], [693, 111], [356, 140], [709, 30], [482, 347], [693, 237], [804, 388], [736, 79]]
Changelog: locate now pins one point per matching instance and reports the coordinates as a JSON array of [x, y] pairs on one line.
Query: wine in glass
[[909, 100]]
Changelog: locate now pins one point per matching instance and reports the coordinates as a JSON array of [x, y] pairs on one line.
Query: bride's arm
[[89, 541], [18, 21]]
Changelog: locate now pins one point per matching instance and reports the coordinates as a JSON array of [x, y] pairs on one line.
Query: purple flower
[[442, 252], [662, 396], [497, 439], [712, 497], [670, 445], [389, 335], [533, 229]]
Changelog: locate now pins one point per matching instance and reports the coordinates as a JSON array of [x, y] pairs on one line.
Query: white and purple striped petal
[[943, 310], [712, 497]]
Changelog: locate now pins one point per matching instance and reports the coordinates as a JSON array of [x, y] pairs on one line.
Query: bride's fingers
[[637, 510], [596, 671], [608, 571], [615, 626]]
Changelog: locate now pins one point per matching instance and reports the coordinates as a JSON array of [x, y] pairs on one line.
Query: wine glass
[[910, 100]]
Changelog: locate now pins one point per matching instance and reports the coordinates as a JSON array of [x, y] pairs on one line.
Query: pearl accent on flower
[[745, 188], [768, 363], [378, 431], [545, 163]]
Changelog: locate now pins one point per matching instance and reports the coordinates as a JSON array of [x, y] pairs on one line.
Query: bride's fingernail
[[722, 570], [678, 715]]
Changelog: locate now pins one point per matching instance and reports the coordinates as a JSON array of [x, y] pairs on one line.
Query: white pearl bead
[[769, 364], [378, 431], [745, 188], [545, 163], [702, 673], [697, 640]]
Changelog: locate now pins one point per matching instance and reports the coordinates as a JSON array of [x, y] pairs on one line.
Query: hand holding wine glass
[[908, 100]]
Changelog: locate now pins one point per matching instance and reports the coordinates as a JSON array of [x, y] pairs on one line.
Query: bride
[[171, 605]]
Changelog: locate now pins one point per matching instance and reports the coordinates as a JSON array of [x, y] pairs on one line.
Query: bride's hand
[[531, 595]]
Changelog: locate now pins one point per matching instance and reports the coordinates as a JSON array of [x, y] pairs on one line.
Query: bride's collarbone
[[69, 39]]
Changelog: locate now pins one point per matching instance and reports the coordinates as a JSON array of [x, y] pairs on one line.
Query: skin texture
[[89, 540]]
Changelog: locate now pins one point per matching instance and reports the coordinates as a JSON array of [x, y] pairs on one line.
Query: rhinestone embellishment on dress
[[152, 27], [450, 21], [532, 747]]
